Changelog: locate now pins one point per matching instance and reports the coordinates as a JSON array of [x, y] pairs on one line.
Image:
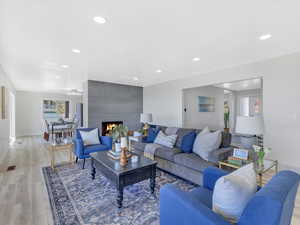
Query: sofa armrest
[[179, 208], [211, 175], [220, 154], [106, 140], [78, 147]]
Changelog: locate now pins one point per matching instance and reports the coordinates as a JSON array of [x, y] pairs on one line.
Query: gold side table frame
[[269, 164], [61, 147]]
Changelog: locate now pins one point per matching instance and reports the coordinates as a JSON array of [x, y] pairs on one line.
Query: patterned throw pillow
[[165, 140]]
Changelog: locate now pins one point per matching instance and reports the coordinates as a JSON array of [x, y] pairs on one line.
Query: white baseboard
[[28, 135]]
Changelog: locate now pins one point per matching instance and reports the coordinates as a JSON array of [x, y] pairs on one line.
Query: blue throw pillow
[[188, 142], [152, 133]]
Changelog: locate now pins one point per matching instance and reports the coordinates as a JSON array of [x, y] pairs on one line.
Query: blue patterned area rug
[[76, 199]]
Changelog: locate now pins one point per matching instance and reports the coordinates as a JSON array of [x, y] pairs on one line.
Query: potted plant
[[226, 117], [118, 132], [261, 153]]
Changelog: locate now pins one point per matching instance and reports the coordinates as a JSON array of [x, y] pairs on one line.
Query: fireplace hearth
[[108, 126]]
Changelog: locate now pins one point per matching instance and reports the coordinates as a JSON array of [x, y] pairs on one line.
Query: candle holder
[[123, 157]]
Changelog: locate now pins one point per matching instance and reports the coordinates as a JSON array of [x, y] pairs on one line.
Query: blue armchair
[[83, 152], [273, 204]]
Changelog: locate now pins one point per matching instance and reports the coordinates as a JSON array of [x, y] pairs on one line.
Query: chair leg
[[76, 161], [83, 163]]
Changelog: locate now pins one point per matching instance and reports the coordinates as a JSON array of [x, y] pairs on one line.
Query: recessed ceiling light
[[99, 19], [158, 71], [65, 66], [265, 37], [57, 77], [196, 59], [135, 78], [75, 50]]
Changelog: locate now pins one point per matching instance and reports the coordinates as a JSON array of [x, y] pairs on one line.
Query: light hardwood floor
[[23, 195]]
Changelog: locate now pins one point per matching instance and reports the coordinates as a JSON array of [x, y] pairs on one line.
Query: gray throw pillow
[[90, 137], [205, 143]]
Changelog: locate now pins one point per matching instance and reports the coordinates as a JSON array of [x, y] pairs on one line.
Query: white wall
[[195, 119], [281, 101], [29, 112], [5, 123]]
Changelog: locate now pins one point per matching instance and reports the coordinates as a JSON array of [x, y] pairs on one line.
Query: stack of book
[[236, 161], [113, 154]]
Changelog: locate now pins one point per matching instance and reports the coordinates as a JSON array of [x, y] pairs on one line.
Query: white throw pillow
[[233, 191], [90, 137], [165, 140], [206, 142], [205, 131]]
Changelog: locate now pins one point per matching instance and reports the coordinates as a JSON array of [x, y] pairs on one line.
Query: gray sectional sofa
[[186, 165]]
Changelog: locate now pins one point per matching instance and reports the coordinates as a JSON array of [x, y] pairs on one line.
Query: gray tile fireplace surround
[[114, 102]]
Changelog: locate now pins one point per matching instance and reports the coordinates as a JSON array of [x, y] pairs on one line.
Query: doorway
[[12, 117]]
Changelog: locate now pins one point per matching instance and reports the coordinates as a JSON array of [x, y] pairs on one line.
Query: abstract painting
[[206, 104]]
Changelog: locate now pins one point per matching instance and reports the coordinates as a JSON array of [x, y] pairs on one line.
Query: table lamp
[[250, 128], [146, 118]]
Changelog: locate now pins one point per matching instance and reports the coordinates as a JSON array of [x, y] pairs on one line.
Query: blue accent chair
[[273, 204], [83, 152]]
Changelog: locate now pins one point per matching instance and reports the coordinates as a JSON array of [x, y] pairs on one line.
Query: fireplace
[[108, 126]]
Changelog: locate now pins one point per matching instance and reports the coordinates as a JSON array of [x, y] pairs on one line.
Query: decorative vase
[[226, 130], [117, 147], [261, 156], [124, 142]]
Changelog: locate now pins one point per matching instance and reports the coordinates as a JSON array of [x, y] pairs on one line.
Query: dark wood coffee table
[[120, 176]]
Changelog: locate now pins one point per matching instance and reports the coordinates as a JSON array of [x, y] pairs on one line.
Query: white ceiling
[[242, 85], [36, 37]]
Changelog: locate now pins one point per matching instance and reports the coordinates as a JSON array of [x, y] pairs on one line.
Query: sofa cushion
[[94, 148], [202, 195], [140, 146], [188, 142], [181, 132], [167, 153], [192, 160]]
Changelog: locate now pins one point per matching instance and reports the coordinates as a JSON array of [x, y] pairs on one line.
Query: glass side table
[[268, 164]]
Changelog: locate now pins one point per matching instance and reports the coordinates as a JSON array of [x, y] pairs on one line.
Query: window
[[250, 106], [244, 106]]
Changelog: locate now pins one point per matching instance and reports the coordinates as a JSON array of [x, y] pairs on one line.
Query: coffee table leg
[[93, 169], [120, 197], [260, 179], [152, 181]]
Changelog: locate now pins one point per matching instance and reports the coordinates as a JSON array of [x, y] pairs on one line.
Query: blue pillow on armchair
[[152, 133], [188, 142]]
